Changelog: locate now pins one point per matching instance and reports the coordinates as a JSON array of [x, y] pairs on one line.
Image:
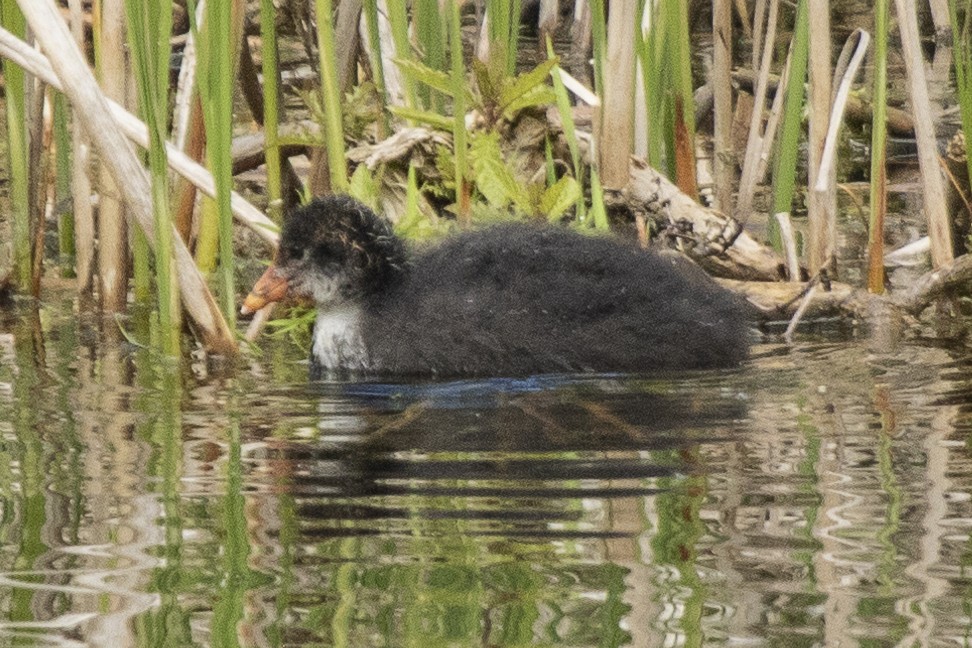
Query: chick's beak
[[270, 287]]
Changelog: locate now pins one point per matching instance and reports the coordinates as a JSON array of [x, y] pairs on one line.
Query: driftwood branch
[[936, 284], [398, 146], [712, 239], [249, 151]]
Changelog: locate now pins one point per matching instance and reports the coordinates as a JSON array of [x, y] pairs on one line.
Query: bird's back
[[518, 299]]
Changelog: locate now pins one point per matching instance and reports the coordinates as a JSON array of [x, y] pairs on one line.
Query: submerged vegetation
[[440, 115]]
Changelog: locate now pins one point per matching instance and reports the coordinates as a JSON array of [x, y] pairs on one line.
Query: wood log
[[249, 151], [715, 241]]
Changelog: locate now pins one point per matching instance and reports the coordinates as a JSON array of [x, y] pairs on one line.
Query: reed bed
[[440, 120]]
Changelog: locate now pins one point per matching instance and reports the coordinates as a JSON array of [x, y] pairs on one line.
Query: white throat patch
[[337, 339]]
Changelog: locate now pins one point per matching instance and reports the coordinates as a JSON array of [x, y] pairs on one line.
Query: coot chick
[[508, 300]]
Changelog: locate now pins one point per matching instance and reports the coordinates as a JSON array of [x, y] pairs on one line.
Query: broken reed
[[149, 32]]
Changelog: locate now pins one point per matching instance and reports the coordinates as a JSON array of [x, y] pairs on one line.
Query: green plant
[[149, 27], [17, 145]]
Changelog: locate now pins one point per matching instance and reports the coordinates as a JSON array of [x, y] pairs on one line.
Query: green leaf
[[435, 79], [526, 83], [363, 187], [559, 197], [538, 96], [434, 120], [493, 177], [484, 81], [598, 212]]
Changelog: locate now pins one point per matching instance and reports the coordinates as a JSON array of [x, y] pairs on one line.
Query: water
[[820, 495]]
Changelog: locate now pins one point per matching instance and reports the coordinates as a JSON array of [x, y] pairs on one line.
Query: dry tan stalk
[[939, 230], [747, 183], [789, 245], [112, 232], [348, 18], [84, 226], [722, 166], [93, 113], [580, 41], [393, 76], [821, 207], [616, 125], [186, 87], [827, 172]]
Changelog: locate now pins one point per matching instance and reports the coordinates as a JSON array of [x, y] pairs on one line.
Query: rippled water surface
[[820, 495]]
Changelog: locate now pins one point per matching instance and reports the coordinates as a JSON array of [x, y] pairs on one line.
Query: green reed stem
[[217, 45], [570, 132], [784, 170], [62, 184], [333, 121], [377, 64], [431, 36], [879, 136], [963, 68], [149, 30], [683, 101], [648, 48], [459, 134], [398, 19], [271, 112], [218, 104], [17, 146], [504, 33], [599, 43]]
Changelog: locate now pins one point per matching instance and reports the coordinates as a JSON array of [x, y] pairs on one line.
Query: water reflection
[[819, 496]]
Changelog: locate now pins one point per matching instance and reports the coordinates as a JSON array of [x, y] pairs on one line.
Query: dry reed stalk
[[821, 207], [93, 113], [84, 226], [188, 131], [758, 33], [548, 18], [933, 187], [112, 232], [580, 42], [722, 166], [617, 114], [789, 246], [349, 41], [186, 87], [38, 141], [743, 10], [392, 76], [827, 170], [940, 17], [133, 128], [754, 143]]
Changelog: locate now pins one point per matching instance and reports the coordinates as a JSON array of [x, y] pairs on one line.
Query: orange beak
[[270, 287]]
